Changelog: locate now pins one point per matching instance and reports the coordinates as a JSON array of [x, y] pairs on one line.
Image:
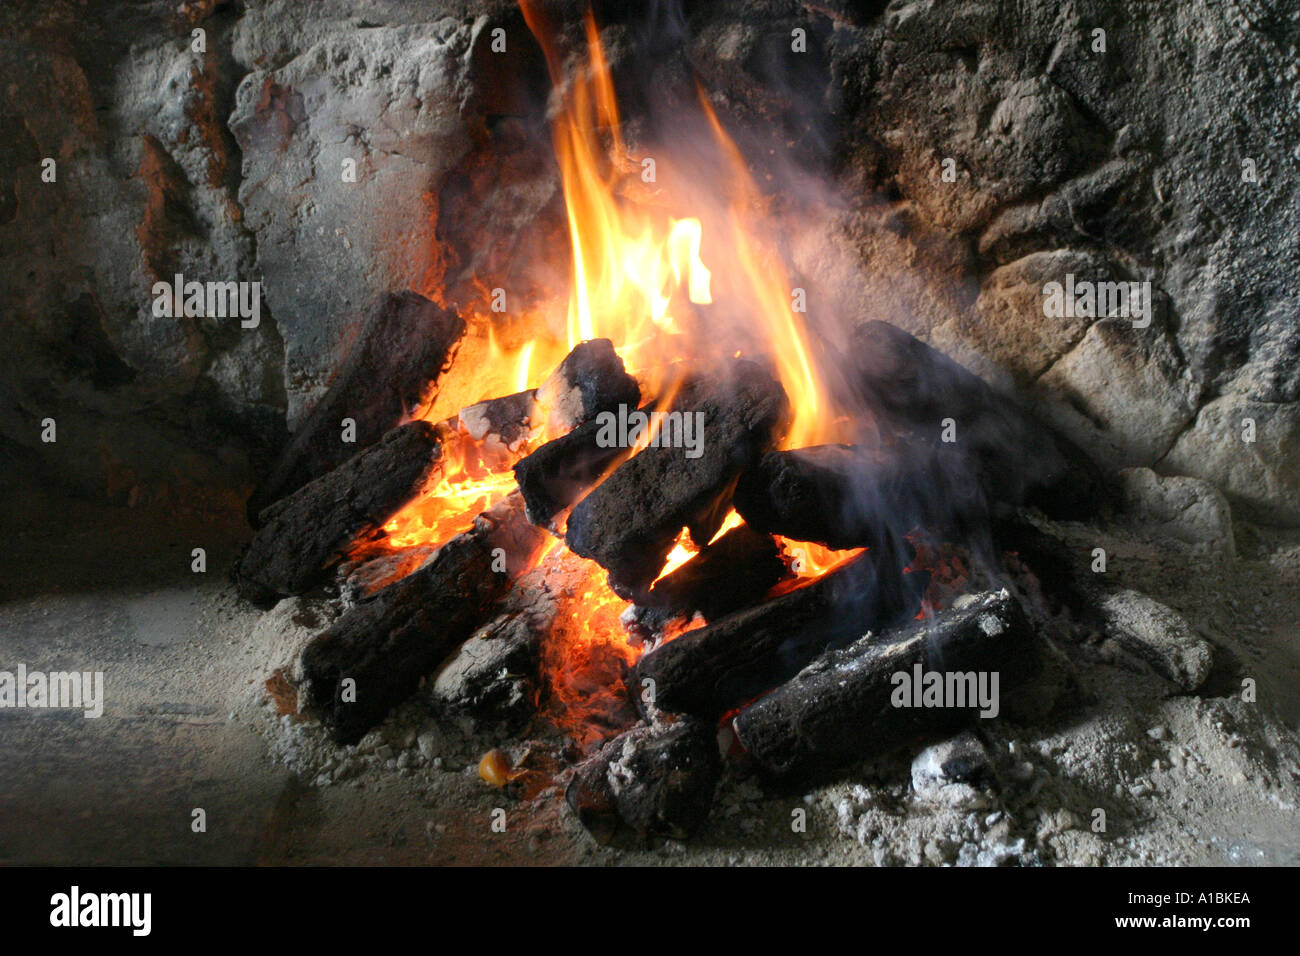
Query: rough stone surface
[[1134, 155], [148, 408], [386, 98], [1262, 476], [1008, 324], [1186, 509], [1122, 392], [975, 78], [1166, 157], [222, 165]]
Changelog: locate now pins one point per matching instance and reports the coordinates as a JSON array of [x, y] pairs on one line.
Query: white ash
[[1180, 779], [1160, 636]]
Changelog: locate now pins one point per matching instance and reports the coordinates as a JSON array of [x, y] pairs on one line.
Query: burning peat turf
[[660, 507]]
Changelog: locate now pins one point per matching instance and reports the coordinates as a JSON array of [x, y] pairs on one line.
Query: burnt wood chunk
[[851, 497], [655, 780], [850, 704], [402, 350], [590, 380], [1062, 571], [490, 684], [502, 427], [558, 473], [1143, 627], [911, 389], [709, 671], [364, 575], [303, 535], [628, 522], [734, 572], [385, 644]]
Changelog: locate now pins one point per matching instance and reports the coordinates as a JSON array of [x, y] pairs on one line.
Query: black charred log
[[403, 349], [590, 380], [846, 706], [558, 473], [850, 497], [655, 780], [304, 534], [1062, 572], [912, 389], [629, 522], [502, 427], [490, 684], [734, 572], [386, 644], [709, 671]]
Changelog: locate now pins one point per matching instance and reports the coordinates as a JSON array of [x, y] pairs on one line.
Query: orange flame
[[639, 263], [461, 488], [811, 560], [684, 548]]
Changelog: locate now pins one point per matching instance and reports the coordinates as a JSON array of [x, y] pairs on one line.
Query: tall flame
[[678, 267], [639, 274]]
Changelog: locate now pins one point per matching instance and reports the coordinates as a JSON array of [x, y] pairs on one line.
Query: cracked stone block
[[1009, 325], [385, 100], [1122, 393], [1183, 508], [1261, 476]]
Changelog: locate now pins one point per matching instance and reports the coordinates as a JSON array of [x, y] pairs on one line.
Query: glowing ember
[[949, 568], [492, 360], [461, 489], [447, 510], [585, 657], [683, 550]]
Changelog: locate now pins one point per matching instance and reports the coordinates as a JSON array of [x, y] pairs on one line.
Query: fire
[[677, 267], [493, 360], [949, 568], [775, 303], [585, 658], [523, 365], [684, 548], [639, 250], [465, 484], [807, 559], [636, 270], [460, 490], [811, 560]]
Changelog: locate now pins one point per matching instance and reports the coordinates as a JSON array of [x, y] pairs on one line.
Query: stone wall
[[229, 164]]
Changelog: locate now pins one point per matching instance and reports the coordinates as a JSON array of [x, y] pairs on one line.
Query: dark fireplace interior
[[740, 432]]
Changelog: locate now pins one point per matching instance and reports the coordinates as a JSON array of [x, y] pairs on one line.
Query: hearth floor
[[1203, 779]]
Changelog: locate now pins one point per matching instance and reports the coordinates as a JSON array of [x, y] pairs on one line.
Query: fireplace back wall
[[1167, 157]]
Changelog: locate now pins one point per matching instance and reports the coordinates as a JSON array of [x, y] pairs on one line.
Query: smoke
[[735, 111]]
